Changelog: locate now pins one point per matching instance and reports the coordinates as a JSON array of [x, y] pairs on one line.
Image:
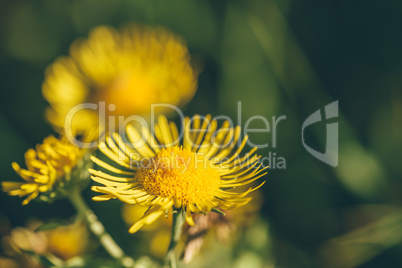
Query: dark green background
[[276, 57]]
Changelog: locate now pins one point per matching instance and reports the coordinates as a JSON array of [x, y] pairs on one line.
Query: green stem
[[178, 221], [98, 230]]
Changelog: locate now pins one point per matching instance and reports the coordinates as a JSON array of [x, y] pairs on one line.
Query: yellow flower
[[131, 69], [64, 241], [68, 241], [48, 168], [157, 238], [204, 174]]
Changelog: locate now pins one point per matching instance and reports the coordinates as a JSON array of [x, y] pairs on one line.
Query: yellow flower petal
[[196, 177]]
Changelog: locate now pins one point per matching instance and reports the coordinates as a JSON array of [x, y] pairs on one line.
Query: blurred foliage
[[276, 58]]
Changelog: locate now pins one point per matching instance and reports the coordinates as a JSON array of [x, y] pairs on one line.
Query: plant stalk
[[98, 229], [178, 221]]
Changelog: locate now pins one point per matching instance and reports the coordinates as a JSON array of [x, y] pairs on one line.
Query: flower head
[[203, 174], [64, 241], [68, 241], [49, 168], [131, 69]]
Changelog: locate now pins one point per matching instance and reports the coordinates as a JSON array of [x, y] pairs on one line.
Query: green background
[[277, 58]]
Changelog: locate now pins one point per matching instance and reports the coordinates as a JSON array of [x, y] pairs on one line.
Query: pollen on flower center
[[181, 175]]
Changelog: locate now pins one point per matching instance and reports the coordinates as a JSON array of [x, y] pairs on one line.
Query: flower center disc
[[181, 175]]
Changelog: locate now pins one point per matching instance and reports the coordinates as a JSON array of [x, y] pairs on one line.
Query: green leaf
[[47, 260], [218, 211], [53, 225], [48, 226]]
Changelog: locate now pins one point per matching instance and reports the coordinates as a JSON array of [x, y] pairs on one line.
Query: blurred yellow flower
[[195, 177], [158, 233], [66, 242], [48, 168], [132, 69], [131, 213], [25, 239]]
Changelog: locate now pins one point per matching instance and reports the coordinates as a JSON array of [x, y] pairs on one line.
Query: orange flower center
[[181, 175]]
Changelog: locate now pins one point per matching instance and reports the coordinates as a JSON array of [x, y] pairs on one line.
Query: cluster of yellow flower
[[132, 69]]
